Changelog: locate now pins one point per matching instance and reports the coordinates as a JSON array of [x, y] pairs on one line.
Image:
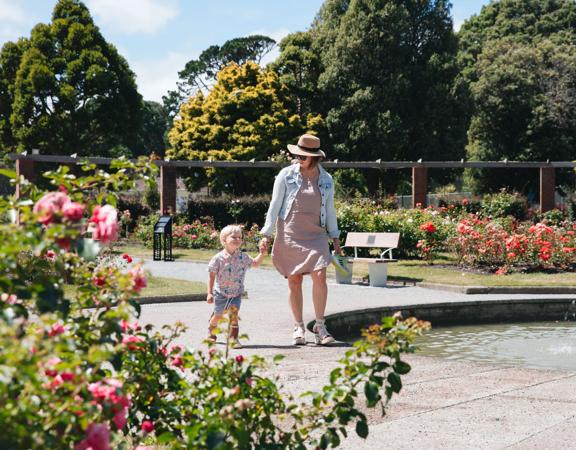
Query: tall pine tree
[[72, 92]]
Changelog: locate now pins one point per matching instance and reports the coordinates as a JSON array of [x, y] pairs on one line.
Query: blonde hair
[[228, 230]]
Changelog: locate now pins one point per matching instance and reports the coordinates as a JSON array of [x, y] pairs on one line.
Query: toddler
[[227, 270]]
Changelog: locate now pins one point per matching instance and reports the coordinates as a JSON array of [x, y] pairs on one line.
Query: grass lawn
[[158, 287], [407, 270]]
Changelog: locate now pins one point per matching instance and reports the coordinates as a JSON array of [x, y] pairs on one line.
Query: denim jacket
[[286, 186]]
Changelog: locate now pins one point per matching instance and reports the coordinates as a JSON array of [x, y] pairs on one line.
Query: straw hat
[[308, 145]]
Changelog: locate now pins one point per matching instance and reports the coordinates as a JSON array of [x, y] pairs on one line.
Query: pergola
[[25, 166]]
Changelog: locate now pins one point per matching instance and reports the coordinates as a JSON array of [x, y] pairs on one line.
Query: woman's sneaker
[[298, 337], [321, 335]]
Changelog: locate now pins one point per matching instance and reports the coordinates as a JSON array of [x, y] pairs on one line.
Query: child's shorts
[[221, 303]]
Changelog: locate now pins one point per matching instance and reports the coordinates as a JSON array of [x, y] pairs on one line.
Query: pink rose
[[97, 438], [104, 223], [73, 211], [56, 329], [50, 206], [147, 426], [120, 418], [131, 341], [138, 278]]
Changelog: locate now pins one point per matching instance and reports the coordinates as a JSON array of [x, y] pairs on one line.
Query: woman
[[302, 210]]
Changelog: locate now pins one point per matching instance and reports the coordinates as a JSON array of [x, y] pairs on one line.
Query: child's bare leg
[[214, 320], [233, 317], [234, 329]]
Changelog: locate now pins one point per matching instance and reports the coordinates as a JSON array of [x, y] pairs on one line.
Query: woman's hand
[[337, 249]]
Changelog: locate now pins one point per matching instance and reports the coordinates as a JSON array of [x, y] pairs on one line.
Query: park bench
[[377, 266]]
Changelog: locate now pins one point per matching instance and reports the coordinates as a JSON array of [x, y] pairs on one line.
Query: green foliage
[[299, 67], [66, 90], [518, 71], [388, 73], [80, 367], [226, 210], [153, 133], [365, 215], [504, 204], [245, 116], [199, 74], [152, 196]]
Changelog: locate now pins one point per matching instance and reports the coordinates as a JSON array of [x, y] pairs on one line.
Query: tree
[[153, 133], [518, 69], [199, 74], [10, 57], [73, 92], [389, 72], [246, 115], [299, 67]]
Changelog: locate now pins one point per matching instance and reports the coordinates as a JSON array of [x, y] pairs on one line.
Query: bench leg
[[378, 274]]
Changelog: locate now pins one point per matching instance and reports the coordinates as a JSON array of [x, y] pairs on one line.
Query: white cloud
[[156, 76], [9, 12], [134, 16], [277, 35]]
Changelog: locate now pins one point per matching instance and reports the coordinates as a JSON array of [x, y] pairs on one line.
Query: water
[[550, 345]]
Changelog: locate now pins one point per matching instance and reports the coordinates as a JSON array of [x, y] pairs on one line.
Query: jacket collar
[[297, 174]]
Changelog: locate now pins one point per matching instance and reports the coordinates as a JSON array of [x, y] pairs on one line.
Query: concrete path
[[444, 404]]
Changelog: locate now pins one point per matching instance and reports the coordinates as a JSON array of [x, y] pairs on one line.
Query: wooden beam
[[419, 186], [547, 186], [25, 168], [168, 190]]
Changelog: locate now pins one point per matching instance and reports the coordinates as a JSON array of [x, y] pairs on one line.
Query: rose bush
[[415, 241], [200, 233], [78, 370], [507, 245]]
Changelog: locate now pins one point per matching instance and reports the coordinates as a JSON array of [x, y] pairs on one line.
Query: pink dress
[[301, 244]]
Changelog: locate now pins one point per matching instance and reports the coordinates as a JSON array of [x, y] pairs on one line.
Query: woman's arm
[[278, 194]]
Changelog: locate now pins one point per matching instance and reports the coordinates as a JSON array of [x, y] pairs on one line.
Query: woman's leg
[[296, 300], [295, 297], [319, 297], [319, 292]]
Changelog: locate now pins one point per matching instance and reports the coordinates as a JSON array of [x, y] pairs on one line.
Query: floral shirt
[[230, 270]]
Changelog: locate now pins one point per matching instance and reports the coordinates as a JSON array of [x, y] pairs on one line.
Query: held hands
[[263, 245], [210, 298]]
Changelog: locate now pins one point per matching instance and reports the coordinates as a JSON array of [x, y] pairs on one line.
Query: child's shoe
[[298, 337], [235, 344], [211, 336], [321, 335]]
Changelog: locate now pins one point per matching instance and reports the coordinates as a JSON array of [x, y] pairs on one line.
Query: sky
[[158, 37]]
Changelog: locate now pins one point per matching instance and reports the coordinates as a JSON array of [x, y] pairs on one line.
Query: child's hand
[[210, 298], [263, 246]]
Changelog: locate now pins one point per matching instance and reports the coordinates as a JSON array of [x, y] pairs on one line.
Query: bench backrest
[[378, 240]]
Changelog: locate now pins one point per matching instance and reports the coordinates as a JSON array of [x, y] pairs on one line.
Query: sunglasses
[[301, 157]]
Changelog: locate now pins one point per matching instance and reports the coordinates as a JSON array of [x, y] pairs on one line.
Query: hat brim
[[295, 150]]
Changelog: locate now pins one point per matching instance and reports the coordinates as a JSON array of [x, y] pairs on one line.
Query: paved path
[[444, 404]]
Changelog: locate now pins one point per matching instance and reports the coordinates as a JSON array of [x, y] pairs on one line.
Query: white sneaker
[[321, 335], [298, 337]]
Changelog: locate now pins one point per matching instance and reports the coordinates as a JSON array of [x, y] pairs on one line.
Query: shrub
[[507, 245], [503, 204], [82, 373], [225, 210], [370, 216]]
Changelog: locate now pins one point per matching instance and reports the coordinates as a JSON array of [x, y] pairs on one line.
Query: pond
[[550, 345]]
